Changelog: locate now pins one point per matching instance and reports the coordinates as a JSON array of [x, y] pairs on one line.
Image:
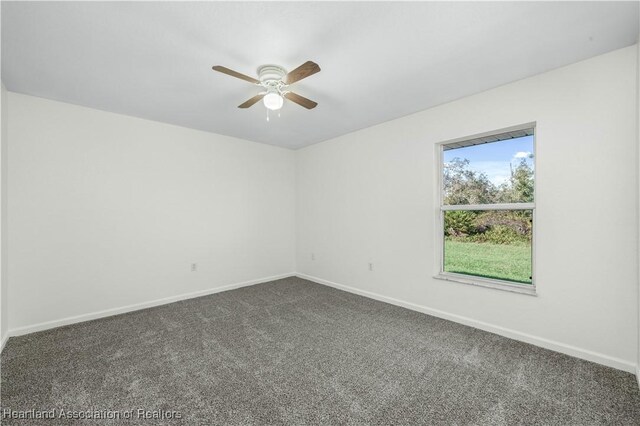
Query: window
[[487, 204]]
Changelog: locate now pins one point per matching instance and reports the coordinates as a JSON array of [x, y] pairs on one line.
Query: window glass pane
[[489, 243], [489, 173]]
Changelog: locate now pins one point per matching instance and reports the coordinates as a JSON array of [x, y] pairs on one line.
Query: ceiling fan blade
[[251, 101], [236, 74], [303, 71], [300, 100]]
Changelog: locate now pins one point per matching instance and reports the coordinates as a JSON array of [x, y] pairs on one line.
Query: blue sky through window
[[495, 158]]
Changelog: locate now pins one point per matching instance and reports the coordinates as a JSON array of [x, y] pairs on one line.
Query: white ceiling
[[379, 60]]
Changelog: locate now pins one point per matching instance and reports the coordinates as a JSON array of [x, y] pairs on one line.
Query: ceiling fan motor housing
[[271, 74]]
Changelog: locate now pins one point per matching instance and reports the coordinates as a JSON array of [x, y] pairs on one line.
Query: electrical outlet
[[194, 267], [370, 266], [313, 256]]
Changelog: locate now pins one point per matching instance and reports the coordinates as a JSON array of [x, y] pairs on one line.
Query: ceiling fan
[[275, 82]]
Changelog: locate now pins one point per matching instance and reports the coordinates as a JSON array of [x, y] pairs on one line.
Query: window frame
[[441, 208]]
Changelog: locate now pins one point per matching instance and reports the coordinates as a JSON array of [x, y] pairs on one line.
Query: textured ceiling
[[379, 60]]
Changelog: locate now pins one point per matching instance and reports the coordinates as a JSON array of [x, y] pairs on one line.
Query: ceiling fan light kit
[[275, 82], [273, 100]]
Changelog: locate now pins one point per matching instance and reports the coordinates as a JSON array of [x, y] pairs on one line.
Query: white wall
[[369, 196], [107, 211], [3, 217], [638, 136]]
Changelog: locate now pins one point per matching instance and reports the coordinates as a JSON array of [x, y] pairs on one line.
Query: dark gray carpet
[[295, 352]]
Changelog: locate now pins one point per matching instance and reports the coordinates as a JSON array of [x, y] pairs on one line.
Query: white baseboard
[[3, 342], [599, 358], [134, 307], [513, 334]]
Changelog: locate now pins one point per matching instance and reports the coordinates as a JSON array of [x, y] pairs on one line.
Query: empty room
[[320, 213]]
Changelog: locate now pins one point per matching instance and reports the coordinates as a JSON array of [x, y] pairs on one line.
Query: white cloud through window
[[522, 154]]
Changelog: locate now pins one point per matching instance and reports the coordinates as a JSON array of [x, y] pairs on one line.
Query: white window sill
[[529, 289]]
